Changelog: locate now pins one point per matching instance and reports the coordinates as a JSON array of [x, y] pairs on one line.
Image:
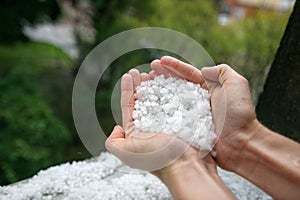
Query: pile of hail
[[175, 107]]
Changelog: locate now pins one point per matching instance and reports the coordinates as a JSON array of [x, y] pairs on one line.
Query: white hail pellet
[[175, 107]]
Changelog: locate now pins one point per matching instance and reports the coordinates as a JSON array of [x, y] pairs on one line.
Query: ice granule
[[99, 178], [105, 178], [175, 107]]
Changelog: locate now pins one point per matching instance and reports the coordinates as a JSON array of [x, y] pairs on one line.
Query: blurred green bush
[[14, 14], [248, 45], [36, 126], [32, 137]]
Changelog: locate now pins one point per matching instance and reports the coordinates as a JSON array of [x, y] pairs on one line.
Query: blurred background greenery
[[36, 77]]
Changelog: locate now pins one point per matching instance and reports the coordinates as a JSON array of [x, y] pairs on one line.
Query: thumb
[[218, 75], [211, 77], [116, 138]]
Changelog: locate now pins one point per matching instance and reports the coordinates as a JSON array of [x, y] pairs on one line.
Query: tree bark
[[279, 105]]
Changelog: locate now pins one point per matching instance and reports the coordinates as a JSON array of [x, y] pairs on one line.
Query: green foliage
[[32, 137], [38, 57], [189, 17], [247, 45], [13, 14], [36, 79]]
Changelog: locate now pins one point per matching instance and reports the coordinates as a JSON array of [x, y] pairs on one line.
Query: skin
[[265, 158], [244, 146], [187, 177]]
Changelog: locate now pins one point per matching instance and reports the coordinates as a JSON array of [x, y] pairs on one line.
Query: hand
[[231, 102], [170, 159], [147, 151], [246, 147]]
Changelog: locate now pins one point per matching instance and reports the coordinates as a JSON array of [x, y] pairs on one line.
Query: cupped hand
[[231, 102], [146, 151]]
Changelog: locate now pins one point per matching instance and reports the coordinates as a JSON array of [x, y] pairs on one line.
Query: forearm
[[190, 185], [190, 179], [270, 161]]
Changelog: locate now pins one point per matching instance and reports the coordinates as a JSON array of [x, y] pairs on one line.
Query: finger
[[211, 76], [227, 74], [117, 133], [152, 74], [160, 69], [145, 77], [129, 128], [204, 85], [135, 74], [127, 98], [218, 75], [185, 70], [115, 140]]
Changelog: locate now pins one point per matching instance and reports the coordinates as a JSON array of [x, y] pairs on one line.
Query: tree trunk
[[279, 105]]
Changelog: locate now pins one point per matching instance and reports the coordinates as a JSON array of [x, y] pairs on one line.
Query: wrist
[[236, 146], [267, 159], [189, 162], [190, 177], [244, 158]]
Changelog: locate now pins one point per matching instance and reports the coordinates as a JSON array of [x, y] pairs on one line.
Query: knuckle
[[223, 65], [243, 80]]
